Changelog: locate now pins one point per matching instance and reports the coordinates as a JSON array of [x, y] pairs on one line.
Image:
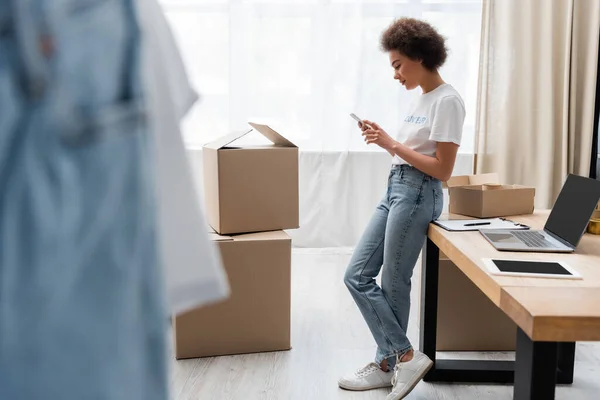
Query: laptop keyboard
[[532, 239]]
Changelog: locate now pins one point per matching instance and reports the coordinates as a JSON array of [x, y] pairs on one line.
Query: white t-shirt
[[192, 264], [437, 116]]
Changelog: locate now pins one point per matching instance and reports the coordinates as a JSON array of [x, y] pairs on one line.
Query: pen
[[478, 223]]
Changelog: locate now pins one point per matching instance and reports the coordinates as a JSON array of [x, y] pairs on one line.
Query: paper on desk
[[494, 223]]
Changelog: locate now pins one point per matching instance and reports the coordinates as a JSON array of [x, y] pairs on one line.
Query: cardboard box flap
[[465, 180], [273, 136], [244, 237], [462, 180], [480, 179], [498, 188], [215, 237], [259, 236], [227, 139]]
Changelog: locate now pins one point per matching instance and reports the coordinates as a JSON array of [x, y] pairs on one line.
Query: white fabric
[[308, 64], [537, 91], [437, 116], [193, 271]]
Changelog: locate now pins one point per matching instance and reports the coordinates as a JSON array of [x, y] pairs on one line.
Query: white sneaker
[[408, 374], [367, 378]]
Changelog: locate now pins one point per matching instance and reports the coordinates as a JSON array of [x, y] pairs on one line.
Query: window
[[307, 64]]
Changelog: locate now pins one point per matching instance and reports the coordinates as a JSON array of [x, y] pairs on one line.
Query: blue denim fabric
[[393, 240], [82, 311]]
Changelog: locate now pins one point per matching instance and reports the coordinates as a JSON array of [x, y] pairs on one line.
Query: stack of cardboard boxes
[[251, 195], [467, 319]]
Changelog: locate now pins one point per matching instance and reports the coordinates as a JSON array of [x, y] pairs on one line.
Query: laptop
[[565, 226]]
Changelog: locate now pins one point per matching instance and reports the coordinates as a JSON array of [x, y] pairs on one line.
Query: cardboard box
[[467, 319], [483, 197], [596, 213], [256, 317], [251, 188]]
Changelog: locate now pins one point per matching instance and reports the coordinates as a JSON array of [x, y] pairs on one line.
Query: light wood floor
[[330, 338]]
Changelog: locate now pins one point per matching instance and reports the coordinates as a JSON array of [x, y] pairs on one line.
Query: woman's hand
[[373, 133]]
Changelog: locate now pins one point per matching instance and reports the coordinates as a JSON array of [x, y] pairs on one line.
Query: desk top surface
[[545, 308]]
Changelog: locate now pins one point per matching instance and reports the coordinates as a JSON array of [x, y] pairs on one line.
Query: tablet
[[531, 268]]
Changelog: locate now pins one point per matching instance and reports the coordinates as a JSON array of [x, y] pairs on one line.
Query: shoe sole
[[363, 388], [421, 374]]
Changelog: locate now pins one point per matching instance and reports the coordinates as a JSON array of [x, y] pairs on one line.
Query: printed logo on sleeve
[[411, 119]]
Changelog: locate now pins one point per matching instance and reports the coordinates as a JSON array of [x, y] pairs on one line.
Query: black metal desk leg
[[566, 362], [450, 370], [429, 298], [539, 366], [535, 369]]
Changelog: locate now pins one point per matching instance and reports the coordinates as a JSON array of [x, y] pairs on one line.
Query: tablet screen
[[531, 267]]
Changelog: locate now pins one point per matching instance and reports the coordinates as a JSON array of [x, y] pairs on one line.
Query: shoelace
[[397, 369], [367, 370]]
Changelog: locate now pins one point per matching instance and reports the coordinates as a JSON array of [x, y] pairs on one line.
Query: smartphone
[[358, 119]]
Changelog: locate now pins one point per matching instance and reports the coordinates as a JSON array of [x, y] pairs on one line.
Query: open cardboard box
[[251, 188], [482, 196]]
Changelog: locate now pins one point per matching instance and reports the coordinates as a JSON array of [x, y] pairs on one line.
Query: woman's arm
[[439, 167]]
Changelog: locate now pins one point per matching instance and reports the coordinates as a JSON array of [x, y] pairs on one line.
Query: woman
[[423, 157]]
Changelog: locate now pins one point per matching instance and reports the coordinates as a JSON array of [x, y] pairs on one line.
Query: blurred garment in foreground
[[82, 305]]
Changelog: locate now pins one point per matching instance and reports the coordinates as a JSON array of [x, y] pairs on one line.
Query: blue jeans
[[82, 312], [392, 241]]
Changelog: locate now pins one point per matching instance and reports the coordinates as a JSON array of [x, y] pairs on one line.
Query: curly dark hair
[[417, 40]]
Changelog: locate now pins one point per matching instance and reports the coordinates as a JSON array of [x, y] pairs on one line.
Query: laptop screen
[[573, 208]]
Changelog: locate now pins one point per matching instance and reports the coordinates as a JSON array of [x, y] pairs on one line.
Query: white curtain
[[536, 98], [304, 65]]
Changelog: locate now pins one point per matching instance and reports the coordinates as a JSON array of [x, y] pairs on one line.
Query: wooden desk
[[551, 314], [548, 314]]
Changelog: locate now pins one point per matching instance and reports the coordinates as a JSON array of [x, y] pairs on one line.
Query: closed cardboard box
[[251, 188], [256, 317], [467, 319], [483, 197]]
